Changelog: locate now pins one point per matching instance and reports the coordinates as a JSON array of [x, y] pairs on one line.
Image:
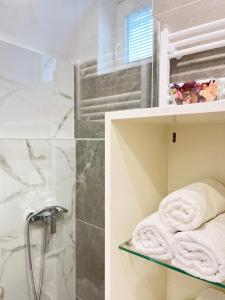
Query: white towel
[[153, 238], [201, 252], [211, 294], [191, 206]]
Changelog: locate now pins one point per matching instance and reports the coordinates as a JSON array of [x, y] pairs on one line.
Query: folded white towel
[[201, 252], [211, 294], [153, 238], [191, 206]]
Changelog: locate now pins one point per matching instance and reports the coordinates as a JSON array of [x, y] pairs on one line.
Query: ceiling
[[48, 26], [61, 28]]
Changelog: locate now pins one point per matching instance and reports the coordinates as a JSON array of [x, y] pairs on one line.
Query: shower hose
[[36, 292]]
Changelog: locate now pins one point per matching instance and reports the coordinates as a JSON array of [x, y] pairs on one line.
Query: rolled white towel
[[201, 252], [153, 238], [211, 294], [191, 206]]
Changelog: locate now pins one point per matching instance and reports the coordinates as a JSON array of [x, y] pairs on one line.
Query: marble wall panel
[[90, 262], [90, 187], [35, 174]]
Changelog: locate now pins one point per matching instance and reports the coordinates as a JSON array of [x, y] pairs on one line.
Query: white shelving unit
[[189, 41], [143, 164]]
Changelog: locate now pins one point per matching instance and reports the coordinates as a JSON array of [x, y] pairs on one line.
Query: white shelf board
[[201, 113]]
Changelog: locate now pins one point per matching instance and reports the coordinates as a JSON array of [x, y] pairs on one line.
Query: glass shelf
[[128, 247]]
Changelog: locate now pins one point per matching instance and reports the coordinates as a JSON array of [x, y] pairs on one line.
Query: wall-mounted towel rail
[[184, 42]]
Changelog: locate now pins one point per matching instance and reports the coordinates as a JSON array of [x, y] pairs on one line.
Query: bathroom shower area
[[63, 65], [37, 176]]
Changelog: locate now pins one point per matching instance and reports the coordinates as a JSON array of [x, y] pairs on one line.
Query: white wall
[[29, 106], [50, 27], [106, 38], [87, 39]]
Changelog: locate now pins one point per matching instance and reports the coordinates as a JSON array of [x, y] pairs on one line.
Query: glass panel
[[106, 78], [128, 247]]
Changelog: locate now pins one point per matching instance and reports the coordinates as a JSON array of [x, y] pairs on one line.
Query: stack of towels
[[188, 230]]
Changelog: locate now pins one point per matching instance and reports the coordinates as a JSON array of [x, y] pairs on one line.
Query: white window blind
[[139, 35], [48, 68]]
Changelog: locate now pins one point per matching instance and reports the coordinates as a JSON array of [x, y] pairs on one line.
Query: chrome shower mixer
[[47, 214]]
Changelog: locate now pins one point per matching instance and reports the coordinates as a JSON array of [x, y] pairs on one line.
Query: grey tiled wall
[[90, 182], [89, 261], [125, 89]]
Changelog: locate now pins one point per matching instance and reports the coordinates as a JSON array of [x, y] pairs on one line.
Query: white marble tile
[[34, 174], [30, 106]]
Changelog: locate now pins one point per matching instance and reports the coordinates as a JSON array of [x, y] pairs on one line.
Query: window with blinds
[[48, 68], [139, 35]]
